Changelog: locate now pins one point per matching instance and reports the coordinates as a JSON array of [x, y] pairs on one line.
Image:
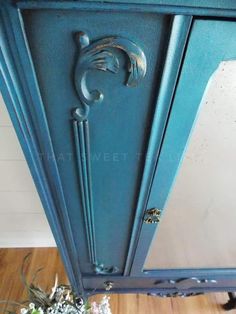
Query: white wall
[[22, 219]]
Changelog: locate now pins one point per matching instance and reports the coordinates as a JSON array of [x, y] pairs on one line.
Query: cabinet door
[[193, 190], [98, 122]]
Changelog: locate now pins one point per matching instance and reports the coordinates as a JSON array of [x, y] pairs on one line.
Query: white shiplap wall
[[22, 219]]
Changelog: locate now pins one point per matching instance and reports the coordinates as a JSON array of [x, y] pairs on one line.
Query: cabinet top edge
[[186, 5]]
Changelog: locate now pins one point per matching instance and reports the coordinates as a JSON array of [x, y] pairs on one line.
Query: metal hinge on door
[[152, 216]]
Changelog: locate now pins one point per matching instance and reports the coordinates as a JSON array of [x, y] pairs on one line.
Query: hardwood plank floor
[[11, 287]]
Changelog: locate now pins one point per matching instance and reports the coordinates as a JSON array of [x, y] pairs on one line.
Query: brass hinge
[[152, 216]]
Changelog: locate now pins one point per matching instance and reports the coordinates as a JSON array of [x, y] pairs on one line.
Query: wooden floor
[[11, 287]]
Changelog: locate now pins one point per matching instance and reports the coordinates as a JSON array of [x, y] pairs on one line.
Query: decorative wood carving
[[99, 55], [184, 283]]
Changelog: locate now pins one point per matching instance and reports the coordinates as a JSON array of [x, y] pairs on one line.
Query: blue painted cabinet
[[100, 180], [103, 97], [198, 85]]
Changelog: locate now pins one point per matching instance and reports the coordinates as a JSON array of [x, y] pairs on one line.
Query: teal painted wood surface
[[204, 8], [38, 59], [210, 43], [178, 38], [221, 4], [21, 94], [119, 126]]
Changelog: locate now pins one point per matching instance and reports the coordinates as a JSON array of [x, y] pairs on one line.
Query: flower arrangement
[[61, 300]]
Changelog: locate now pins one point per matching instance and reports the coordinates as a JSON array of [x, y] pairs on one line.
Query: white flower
[[40, 310], [23, 310], [105, 306], [32, 306], [101, 308], [94, 308]]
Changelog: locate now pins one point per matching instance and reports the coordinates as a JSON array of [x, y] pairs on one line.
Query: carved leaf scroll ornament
[[100, 55]]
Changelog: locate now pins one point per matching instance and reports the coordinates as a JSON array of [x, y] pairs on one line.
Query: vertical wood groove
[[82, 145], [81, 134]]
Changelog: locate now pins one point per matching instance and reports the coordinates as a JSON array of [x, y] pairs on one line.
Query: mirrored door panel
[[198, 223], [198, 226]]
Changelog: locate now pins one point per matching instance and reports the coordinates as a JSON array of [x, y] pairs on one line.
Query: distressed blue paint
[[101, 55], [213, 41], [118, 126], [185, 7], [150, 284], [150, 291], [42, 118], [178, 38], [81, 131], [219, 4], [20, 91], [226, 281]]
